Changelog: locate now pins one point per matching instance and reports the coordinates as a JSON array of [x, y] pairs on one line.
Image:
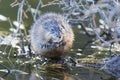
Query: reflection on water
[[51, 76], [61, 72], [21, 77]]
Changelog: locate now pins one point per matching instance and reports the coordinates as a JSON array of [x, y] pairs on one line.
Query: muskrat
[[51, 35]]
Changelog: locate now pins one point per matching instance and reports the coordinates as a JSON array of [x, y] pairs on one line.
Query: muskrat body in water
[[51, 35]]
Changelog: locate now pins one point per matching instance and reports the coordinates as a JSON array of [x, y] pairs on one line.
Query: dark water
[[31, 71], [71, 73]]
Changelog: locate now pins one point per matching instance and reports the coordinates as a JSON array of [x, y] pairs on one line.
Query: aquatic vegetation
[[3, 18], [97, 20]]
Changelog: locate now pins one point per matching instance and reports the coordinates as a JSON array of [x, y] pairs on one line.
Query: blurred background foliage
[[95, 38]]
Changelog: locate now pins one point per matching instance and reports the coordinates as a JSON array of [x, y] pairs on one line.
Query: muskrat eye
[[59, 36]]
